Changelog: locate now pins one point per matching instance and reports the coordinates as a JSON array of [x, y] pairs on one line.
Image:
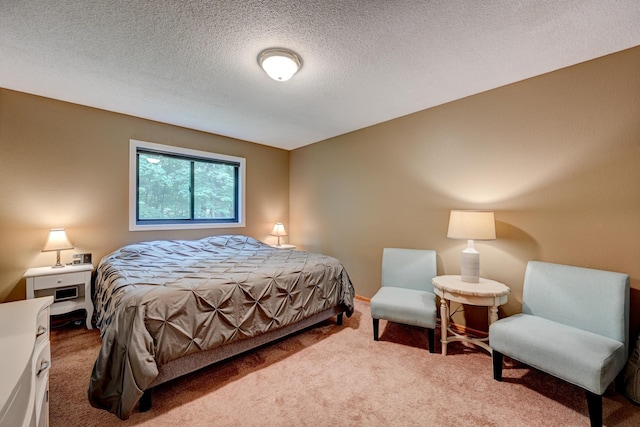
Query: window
[[177, 188]]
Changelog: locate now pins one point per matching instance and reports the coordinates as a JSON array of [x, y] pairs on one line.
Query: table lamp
[[57, 241], [470, 226], [278, 230]]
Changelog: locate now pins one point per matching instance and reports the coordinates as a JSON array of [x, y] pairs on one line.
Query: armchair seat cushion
[[408, 306], [585, 359]]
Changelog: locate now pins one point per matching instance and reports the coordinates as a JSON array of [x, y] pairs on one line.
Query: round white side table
[[487, 293]]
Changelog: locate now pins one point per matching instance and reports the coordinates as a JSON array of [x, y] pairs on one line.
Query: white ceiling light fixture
[[279, 64]]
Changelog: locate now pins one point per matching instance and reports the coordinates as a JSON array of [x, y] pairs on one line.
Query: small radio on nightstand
[[82, 259]]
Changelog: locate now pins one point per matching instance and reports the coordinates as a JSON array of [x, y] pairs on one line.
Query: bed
[[169, 307]]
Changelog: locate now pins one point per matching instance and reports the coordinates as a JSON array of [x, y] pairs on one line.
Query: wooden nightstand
[[70, 288]]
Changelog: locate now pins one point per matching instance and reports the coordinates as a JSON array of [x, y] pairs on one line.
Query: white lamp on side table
[[57, 241], [278, 230], [470, 226]]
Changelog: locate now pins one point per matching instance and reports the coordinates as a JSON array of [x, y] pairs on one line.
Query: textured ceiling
[[193, 63]]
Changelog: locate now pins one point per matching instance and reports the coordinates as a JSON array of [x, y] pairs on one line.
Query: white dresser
[[25, 358]]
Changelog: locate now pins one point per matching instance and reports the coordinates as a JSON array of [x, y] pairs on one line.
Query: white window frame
[[133, 186]]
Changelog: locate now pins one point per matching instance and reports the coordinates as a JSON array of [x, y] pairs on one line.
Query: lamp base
[[57, 264], [470, 267]]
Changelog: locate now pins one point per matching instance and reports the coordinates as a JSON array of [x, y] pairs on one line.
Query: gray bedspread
[[162, 300]]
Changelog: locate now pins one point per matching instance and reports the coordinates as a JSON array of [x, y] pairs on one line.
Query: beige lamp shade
[[472, 225], [278, 230], [57, 241]]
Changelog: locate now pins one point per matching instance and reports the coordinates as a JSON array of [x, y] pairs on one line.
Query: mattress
[[162, 300]]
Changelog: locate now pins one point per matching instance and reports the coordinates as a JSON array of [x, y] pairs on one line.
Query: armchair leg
[[497, 358], [431, 336], [594, 402], [376, 326]]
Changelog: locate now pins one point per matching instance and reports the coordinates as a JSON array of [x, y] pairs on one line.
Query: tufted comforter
[[159, 301]]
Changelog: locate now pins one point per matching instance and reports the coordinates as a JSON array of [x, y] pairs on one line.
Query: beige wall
[[64, 165], [557, 157]]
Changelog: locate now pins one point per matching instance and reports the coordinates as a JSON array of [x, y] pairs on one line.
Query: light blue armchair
[[574, 326], [407, 294]]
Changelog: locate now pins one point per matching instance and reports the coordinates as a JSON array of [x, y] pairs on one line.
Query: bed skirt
[[196, 361]]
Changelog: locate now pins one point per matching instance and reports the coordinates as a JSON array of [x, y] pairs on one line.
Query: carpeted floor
[[337, 376]]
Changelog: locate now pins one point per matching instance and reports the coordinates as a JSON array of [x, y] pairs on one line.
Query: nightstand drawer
[[58, 280]]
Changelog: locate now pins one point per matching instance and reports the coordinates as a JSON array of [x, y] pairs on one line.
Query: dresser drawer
[[42, 326], [58, 281], [41, 366], [42, 361]]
